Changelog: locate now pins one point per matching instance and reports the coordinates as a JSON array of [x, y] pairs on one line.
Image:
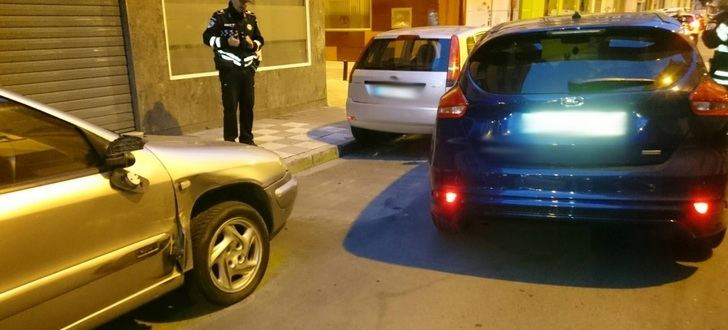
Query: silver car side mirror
[[118, 153], [119, 157]]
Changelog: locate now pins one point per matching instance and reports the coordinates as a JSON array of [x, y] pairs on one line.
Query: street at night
[[363, 164], [360, 252]]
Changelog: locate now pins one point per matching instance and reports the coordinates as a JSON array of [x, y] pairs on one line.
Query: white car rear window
[[406, 54]]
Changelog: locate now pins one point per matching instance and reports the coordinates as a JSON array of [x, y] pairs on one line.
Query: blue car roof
[[568, 22]]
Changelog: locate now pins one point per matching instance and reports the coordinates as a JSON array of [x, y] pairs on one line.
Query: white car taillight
[[453, 65]]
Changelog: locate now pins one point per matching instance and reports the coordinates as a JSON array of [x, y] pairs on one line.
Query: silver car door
[[71, 243]]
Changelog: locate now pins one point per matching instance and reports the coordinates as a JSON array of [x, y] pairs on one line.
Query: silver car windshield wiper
[[604, 84]]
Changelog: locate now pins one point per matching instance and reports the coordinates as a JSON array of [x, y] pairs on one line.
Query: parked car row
[[596, 118]]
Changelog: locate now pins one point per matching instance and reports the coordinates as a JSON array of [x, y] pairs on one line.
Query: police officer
[[718, 37], [235, 39]]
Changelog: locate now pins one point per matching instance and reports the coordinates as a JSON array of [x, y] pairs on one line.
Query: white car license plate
[[395, 92]]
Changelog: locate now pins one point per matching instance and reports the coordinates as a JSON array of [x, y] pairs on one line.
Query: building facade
[[141, 65], [351, 23], [540, 8]]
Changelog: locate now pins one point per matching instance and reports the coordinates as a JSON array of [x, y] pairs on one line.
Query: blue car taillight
[[452, 105], [709, 99]]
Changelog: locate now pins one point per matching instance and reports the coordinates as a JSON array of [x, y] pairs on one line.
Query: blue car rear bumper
[[618, 196]]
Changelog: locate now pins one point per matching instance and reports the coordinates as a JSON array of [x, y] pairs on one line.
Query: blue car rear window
[[408, 54], [590, 61]]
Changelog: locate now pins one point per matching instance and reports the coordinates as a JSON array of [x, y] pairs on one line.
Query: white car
[[396, 84]]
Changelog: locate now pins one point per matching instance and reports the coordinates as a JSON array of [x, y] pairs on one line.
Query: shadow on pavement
[[332, 133], [176, 306], [396, 228], [410, 149]]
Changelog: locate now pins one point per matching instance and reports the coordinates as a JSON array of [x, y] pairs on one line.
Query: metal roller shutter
[[68, 54]]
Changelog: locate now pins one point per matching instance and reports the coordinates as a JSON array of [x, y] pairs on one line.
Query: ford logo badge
[[572, 101]]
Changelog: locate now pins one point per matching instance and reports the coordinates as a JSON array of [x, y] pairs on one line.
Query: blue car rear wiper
[[605, 84]]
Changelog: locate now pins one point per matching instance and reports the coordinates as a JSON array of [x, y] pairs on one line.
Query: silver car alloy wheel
[[234, 255]]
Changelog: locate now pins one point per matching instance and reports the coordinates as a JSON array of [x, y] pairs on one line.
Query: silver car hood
[[187, 157]]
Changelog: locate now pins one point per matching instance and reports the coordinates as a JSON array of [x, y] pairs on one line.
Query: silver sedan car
[[93, 224]]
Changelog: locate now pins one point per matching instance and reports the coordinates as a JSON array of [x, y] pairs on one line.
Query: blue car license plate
[[575, 123]]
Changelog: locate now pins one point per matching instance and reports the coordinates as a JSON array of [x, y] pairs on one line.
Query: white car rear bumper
[[393, 119]]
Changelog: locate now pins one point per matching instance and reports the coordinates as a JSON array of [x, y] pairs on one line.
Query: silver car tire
[[230, 247]]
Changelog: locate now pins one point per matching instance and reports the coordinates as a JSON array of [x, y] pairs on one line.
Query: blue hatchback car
[[600, 118]]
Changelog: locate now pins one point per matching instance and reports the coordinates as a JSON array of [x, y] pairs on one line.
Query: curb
[[307, 160]]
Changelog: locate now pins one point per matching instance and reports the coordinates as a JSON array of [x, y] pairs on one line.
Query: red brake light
[[452, 105], [450, 197], [709, 99], [701, 207], [453, 66]]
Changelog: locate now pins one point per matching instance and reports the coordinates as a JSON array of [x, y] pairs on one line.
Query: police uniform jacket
[[229, 22], [718, 38]]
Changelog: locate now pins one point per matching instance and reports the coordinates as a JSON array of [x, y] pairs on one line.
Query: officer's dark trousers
[[238, 93]]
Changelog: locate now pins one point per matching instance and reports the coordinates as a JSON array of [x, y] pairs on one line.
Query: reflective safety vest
[[718, 38], [226, 23]]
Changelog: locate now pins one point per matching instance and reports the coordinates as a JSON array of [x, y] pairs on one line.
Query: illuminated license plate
[[395, 92], [575, 123]]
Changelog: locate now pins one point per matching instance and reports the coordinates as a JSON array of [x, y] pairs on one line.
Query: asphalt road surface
[[360, 252]]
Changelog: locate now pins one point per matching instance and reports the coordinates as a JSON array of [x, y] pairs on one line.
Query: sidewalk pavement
[[306, 138], [303, 139]]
